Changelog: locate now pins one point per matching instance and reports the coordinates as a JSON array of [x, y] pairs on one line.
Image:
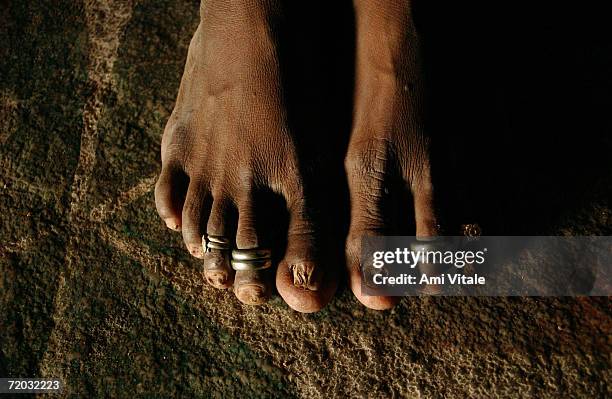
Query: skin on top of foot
[[221, 146]]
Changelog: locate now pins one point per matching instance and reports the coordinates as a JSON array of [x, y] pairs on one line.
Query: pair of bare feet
[[227, 150]]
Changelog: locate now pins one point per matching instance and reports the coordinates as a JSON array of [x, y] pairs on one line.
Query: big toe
[[304, 278], [304, 286], [356, 278]]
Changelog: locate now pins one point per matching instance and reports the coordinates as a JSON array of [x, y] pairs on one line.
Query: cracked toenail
[[303, 276]]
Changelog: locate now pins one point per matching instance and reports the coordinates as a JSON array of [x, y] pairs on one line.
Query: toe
[[426, 221], [217, 268], [367, 219], [301, 279], [195, 212], [353, 251], [170, 195], [252, 287], [424, 206]]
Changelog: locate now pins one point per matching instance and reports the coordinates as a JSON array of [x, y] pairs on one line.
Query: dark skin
[[220, 149]]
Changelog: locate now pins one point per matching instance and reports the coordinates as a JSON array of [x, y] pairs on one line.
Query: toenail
[[172, 224], [195, 250], [252, 294], [304, 276], [217, 278]]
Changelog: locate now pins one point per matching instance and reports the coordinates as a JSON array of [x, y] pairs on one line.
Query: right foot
[[227, 150], [388, 153]]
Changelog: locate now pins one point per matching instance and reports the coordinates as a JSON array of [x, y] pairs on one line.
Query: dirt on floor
[[96, 291]]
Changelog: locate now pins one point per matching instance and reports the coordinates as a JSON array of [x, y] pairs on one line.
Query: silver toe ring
[[216, 242], [251, 259]]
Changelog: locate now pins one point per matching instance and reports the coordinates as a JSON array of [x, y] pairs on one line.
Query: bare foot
[[388, 151], [227, 151]]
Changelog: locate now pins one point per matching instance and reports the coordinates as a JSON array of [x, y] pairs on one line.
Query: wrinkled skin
[[388, 150], [228, 141]]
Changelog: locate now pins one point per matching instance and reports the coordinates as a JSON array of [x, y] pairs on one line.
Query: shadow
[[517, 99], [316, 46]]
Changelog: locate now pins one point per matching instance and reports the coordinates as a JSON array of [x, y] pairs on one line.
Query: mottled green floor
[[94, 290]]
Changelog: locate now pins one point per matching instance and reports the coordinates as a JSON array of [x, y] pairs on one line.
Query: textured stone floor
[[94, 290]]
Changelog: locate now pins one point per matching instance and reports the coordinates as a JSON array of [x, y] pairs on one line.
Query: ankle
[[237, 12]]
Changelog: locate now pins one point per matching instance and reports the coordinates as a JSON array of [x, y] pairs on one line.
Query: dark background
[[520, 93], [517, 94]]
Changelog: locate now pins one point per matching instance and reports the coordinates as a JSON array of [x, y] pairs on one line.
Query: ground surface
[[95, 290]]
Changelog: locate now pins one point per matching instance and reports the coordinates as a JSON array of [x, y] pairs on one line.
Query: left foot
[[388, 151], [228, 156]]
